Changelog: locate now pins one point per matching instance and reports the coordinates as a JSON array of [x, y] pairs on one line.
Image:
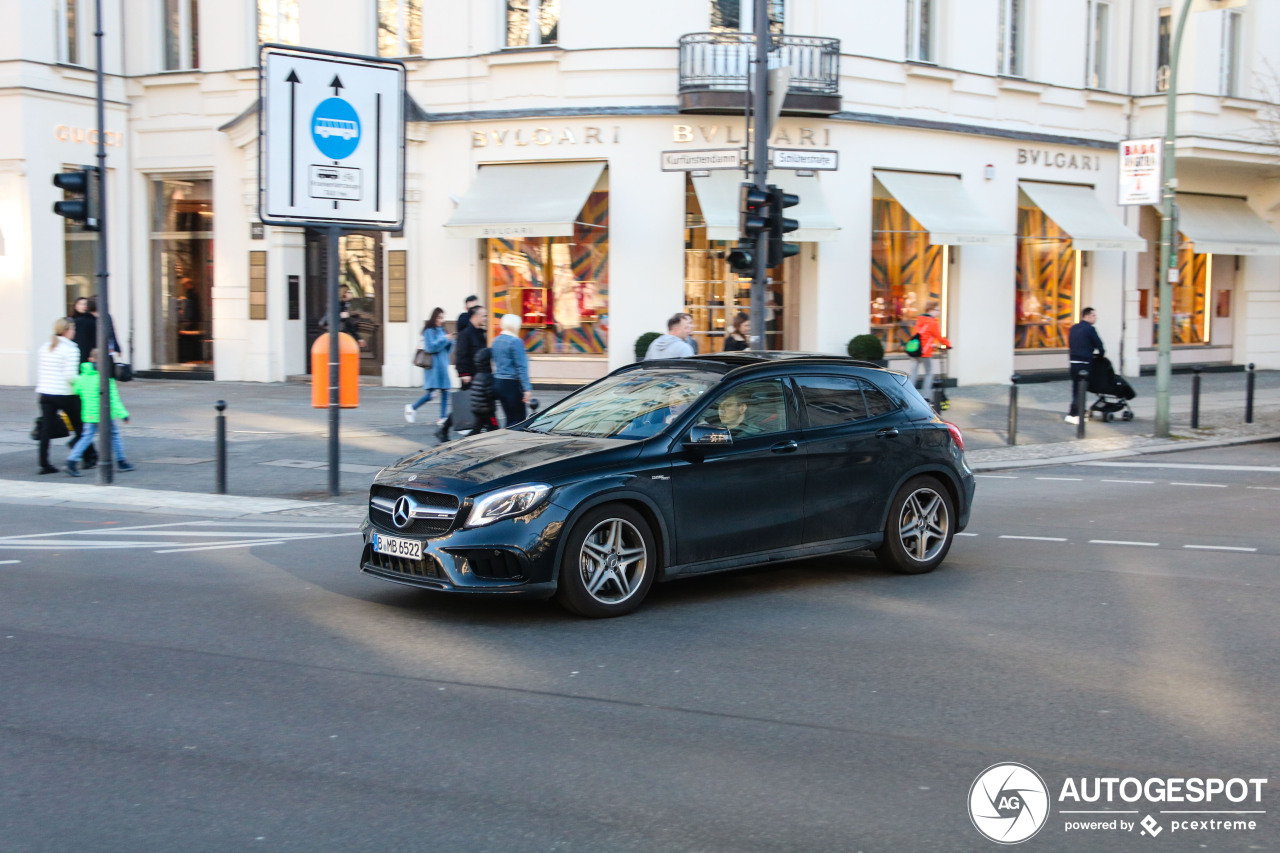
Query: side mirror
[[703, 436]]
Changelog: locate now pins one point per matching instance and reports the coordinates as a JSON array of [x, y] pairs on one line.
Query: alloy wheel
[[613, 560], [923, 524]]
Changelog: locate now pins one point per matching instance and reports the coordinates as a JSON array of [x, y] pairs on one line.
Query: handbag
[[912, 346], [124, 373], [60, 428], [423, 359]]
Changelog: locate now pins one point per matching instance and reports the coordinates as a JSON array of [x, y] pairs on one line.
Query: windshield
[[632, 405]]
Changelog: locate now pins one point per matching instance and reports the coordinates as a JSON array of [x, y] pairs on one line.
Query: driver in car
[[733, 414]]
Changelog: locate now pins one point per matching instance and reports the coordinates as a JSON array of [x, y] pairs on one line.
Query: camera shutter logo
[[1008, 803]]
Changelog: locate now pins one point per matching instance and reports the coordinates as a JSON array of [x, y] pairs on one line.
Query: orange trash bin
[[348, 372]]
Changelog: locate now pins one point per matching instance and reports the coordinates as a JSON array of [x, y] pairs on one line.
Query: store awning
[[718, 198], [1226, 226], [1078, 211], [525, 200], [940, 204]]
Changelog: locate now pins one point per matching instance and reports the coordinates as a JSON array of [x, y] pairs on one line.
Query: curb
[[165, 502], [1172, 447]]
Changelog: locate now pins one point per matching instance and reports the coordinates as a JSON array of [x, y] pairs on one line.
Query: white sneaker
[[1072, 419], [409, 414], [442, 422]]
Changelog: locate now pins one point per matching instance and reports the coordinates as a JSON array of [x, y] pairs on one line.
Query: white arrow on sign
[[331, 149]]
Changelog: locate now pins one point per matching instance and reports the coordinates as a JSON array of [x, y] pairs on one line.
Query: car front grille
[[424, 527], [427, 567]]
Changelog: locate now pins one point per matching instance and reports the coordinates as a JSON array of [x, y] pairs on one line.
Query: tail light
[[955, 435]]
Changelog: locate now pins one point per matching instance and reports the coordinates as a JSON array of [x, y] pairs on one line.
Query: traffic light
[[742, 258], [752, 217], [83, 205], [779, 225]]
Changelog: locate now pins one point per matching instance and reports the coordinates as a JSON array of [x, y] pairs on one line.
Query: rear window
[[835, 400]]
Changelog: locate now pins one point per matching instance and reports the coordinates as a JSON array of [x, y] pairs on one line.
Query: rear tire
[[920, 527], [1128, 414], [610, 561]]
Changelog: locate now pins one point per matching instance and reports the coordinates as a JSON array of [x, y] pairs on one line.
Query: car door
[[746, 496], [856, 441]]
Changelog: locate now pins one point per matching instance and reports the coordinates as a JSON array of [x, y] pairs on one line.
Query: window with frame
[[838, 400], [749, 410], [68, 23], [1164, 41], [907, 271], [532, 22], [399, 27], [1047, 281], [1192, 294], [1099, 48], [181, 34], [920, 30], [278, 22], [1013, 25], [735, 16], [1232, 23]]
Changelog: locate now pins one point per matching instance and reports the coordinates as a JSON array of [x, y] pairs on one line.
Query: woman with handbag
[[433, 357], [58, 367]]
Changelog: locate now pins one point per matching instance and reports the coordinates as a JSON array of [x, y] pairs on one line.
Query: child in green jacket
[[87, 386]]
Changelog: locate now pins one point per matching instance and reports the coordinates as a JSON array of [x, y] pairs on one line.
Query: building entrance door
[[360, 282]]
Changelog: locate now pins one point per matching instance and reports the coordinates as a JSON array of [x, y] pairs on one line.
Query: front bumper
[[515, 556]]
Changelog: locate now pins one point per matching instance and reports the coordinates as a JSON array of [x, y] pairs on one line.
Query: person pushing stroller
[[1083, 341]]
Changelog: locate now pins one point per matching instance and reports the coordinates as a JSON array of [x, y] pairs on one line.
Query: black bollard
[[221, 450], [1013, 409], [1248, 394], [1195, 398], [1082, 392]]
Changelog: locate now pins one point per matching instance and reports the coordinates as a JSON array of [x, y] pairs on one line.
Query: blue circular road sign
[[335, 127]]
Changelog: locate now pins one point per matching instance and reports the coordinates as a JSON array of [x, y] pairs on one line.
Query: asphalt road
[[173, 687]]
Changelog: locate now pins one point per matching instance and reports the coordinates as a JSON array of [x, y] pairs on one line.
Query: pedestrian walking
[[88, 386], [1083, 341], [511, 370], [739, 333], [927, 337], [469, 304], [483, 402], [57, 365], [470, 340], [347, 317], [675, 343], [84, 313], [437, 342]]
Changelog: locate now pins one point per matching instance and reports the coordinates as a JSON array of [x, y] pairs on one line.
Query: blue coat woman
[[438, 342]]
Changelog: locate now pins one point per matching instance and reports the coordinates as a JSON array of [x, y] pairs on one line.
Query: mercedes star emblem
[[400, 512]]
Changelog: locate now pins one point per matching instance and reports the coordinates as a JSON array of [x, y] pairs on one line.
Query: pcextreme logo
[[1009, 803]]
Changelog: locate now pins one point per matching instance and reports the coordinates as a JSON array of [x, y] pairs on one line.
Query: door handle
[[785, 447], [887, 432]]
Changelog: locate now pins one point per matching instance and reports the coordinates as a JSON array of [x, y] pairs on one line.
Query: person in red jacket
[[930, 332]]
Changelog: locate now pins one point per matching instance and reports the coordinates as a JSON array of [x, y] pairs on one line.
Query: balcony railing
[[721, 63]]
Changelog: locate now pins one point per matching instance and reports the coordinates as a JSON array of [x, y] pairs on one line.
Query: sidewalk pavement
[[277, 444]]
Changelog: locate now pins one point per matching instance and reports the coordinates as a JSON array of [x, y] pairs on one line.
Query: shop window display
[[906, 273], [1190, 321], [558, 285], [1047, 282], [182, 272]]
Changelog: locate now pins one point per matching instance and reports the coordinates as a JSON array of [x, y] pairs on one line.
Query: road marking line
[[1135, 482], [1191, 465], [1037, 538], [1063, 479], [966, 534], [1121, 542], [1220, 548], [994, 477], [1266, 488], [92, 530], [1202, 485], [219, 547], [9, 562], [213, 534]]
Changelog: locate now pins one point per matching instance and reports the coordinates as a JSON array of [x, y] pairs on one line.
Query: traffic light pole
[[106, 367], [760, 162], [332, 252]]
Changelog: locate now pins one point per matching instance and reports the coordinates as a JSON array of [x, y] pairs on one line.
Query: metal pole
[[1168, 264], [106, 367], [1013, 409], [221, 449], [1248, 394], [1082, 390], [760, 162], [1195, 398], [335, 324]]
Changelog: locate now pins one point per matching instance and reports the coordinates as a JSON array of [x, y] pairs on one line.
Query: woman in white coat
[[58, 365]]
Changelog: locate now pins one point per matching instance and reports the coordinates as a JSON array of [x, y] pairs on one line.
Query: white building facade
[[976, 145]]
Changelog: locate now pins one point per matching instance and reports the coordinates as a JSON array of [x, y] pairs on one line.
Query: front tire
[[921, 525], [609, 563]]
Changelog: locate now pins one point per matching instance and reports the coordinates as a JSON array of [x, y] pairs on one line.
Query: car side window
[[832, 400], [748, 410], [878, 403]]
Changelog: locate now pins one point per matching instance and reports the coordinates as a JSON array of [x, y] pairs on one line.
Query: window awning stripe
[[947, 212], [525, 200], [1078, 211]]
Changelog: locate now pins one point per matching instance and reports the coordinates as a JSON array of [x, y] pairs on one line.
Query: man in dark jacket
[[471, 339], [1084, 341], [469, 305]]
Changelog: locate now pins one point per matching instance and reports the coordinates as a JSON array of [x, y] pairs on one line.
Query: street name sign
[[803, 158], [707, 158], [1141, 176], [331, 139]]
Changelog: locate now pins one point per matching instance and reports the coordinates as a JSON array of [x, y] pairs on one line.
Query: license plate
[[394, 546]]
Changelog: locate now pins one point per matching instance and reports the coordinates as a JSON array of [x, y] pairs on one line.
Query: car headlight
[[516, 500]]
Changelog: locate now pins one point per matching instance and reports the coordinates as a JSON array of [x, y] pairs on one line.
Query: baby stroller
[[1114, 392]]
